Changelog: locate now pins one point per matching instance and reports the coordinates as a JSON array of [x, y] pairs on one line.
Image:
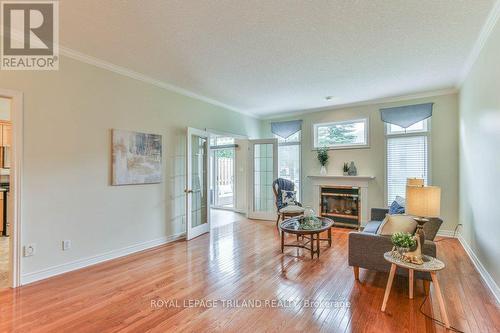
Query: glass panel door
[[264, 163], [197, 207]]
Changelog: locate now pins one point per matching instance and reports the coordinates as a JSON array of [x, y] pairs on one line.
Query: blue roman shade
[[405, 116], [284, 129]]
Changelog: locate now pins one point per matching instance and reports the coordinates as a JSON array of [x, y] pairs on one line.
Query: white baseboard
[[85, 262], [446, 233], [480, 268]]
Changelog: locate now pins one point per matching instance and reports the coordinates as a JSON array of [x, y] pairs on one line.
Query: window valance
[[405, 116], [285, 129]]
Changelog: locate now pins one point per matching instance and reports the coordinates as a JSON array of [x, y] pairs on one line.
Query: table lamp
[[422, 202], [414, 182]]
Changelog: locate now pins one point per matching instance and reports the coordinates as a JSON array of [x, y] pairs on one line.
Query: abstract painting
[[136, 158]]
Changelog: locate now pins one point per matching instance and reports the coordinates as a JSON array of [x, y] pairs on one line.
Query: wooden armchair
[[285, 211]]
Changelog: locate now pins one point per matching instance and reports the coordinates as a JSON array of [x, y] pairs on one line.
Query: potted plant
[[402, 242], [323, 160], [345, 169]]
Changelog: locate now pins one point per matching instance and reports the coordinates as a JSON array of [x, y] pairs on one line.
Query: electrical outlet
[[29, 250], [66, 245]]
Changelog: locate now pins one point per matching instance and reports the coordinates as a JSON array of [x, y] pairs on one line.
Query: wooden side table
[[431, 265]]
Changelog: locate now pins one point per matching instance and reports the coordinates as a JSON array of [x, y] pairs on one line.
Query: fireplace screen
[[342, 205]]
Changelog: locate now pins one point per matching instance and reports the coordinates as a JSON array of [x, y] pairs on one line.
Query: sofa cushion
[[397, 223], [431, 228], [397, 206], [372, 227]]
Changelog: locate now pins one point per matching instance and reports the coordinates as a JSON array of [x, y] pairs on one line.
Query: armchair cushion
[[280, 185], [291, 209], [288, 197]]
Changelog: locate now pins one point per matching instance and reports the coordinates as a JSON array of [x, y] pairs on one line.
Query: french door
[[263, 171], [197, 172]]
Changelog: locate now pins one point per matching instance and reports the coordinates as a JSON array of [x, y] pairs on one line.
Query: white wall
[[480, 160], [371, 161], [68, 115]]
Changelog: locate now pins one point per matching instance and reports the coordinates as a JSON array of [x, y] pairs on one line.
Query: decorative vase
[[309, 212], [323, 171], [352, 170], [346, 173]]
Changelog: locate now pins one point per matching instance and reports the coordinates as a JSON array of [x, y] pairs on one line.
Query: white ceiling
[[270, 57]]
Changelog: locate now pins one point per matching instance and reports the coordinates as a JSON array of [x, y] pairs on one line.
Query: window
[[407, 157], [289, 159], [341, 134]]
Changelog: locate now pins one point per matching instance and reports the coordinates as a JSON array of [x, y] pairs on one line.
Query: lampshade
[[423, 201], [414, 182]]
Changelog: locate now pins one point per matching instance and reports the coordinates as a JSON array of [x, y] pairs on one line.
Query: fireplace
[[342, 204]]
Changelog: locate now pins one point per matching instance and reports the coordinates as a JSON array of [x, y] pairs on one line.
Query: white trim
[[195, 231], [366, 133], [70, 53], [89, 261], [483, 37], [16, 178], [446, 233], [427, 133], [252, 214], [382, 100], [488, 279]]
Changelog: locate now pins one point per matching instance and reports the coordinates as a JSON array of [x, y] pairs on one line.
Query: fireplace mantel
[[342, 177]]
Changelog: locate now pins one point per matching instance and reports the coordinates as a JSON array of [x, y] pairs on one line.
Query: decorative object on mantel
[[422, 201], [345, 169], [352, 171], [136, 158], [405, 116], [323, 160]]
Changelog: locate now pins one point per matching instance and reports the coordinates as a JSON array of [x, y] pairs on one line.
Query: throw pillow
[[288, 197], [397, 206], [397, 223]]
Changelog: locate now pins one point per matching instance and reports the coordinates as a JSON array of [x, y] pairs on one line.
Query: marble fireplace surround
[[354, 181]]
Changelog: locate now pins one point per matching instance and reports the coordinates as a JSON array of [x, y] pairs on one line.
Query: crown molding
[[383, 100], [76, 55], [483, 37]]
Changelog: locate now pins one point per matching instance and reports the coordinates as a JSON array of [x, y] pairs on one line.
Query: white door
[[263, 164], [197, 194]]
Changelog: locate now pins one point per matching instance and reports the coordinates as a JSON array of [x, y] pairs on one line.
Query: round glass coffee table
[[306, 237]]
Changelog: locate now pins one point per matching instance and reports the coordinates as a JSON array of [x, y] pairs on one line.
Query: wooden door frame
[[16, 183]]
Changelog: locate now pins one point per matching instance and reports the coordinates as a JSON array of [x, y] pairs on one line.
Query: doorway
[[5, 198], [222, 172]]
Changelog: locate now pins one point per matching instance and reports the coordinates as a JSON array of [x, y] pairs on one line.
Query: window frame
[[299, 144], [366, 144], [427, 133]]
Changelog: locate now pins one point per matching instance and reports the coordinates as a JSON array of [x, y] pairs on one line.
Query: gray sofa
[[366, 248]]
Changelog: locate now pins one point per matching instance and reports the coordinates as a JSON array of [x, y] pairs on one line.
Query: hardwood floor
[[242, 261], [4, 262]]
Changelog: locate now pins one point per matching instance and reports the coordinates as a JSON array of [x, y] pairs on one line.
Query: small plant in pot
[[402, 242], [323, 160], [345, 169]]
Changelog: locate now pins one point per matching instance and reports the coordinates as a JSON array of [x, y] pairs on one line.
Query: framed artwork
[[136, 158]]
